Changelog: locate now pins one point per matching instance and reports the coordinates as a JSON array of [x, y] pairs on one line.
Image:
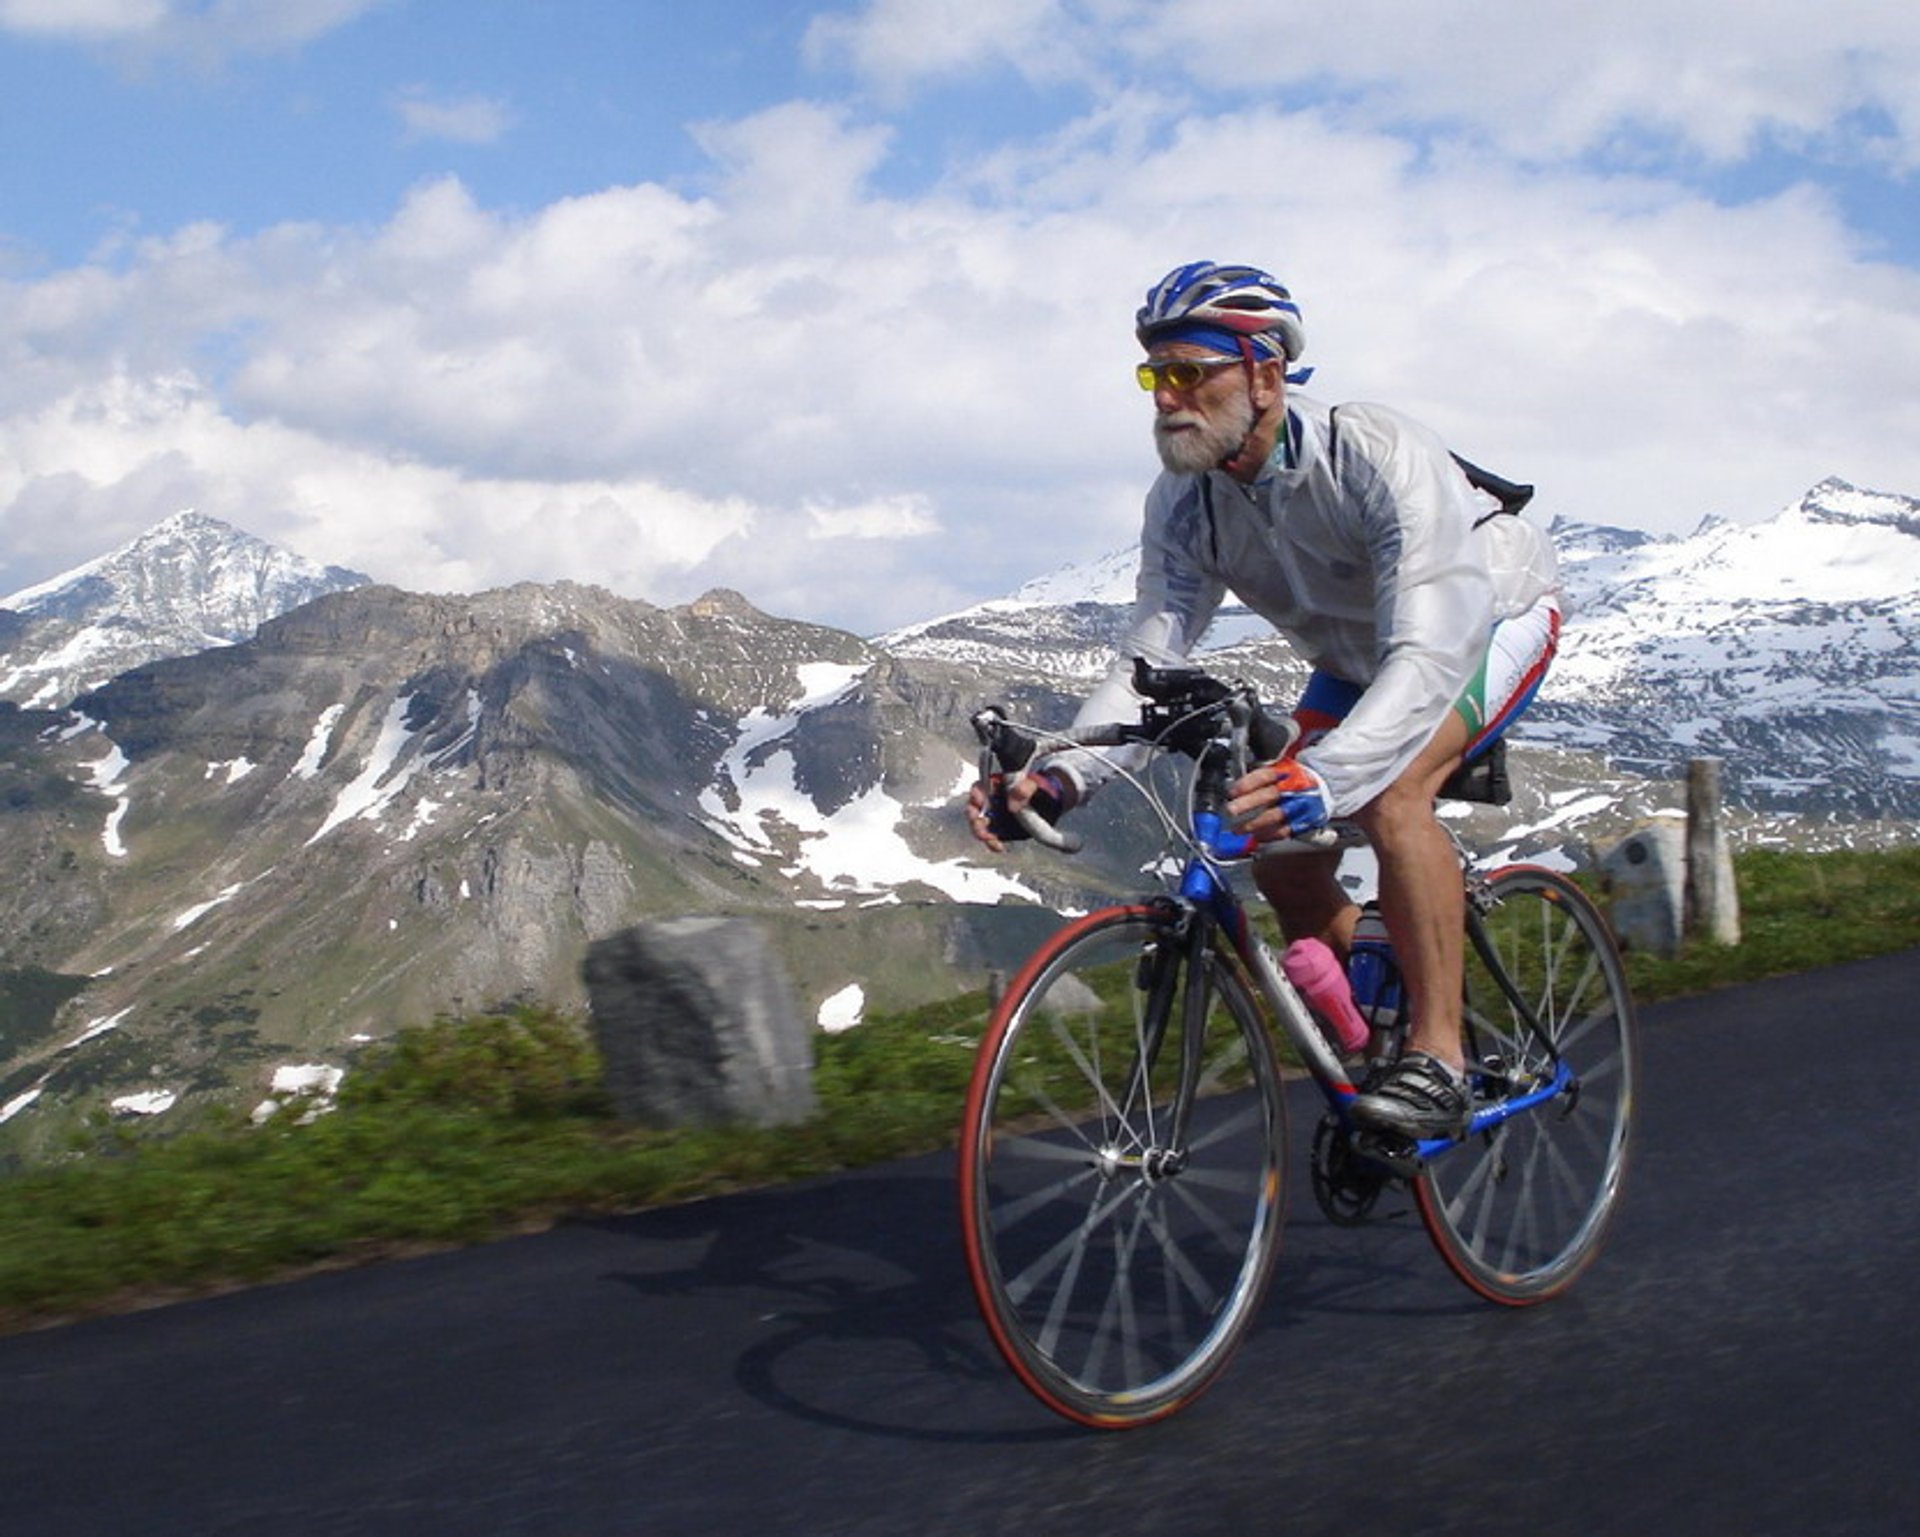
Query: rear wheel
[[1120, 1174], [1520, 1209]]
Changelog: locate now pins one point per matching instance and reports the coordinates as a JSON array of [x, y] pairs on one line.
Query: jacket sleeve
[[1433, 599], [1175, 599]]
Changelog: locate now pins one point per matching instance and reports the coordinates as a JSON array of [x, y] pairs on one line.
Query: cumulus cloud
[[152, 446], [1548, 78], [865, 399], [896, 44]]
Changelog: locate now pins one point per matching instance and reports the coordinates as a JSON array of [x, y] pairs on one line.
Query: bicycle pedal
[[1397, 1155]]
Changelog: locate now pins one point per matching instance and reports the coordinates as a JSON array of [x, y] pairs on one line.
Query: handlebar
[[1222, 726], [1007, 749]]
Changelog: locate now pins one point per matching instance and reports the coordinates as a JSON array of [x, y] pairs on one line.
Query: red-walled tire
[[1519, 1211], [1117, 1265]]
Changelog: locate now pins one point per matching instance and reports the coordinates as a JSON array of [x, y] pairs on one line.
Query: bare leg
[[1420, 893], [1307, 898]]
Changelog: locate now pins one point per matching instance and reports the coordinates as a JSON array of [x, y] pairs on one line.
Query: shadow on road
[[871, 1325]]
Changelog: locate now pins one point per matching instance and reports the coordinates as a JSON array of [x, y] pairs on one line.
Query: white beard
[[1189, 445]]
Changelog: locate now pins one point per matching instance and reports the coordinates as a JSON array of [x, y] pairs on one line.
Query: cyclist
[[1428, 621]]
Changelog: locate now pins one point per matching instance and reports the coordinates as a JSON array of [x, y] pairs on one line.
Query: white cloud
[[461, 120], [1547, 78], [204, 31], [81, 18], [1561, 76], [897, 43], [150, 447], [902, 517], [862, 397]]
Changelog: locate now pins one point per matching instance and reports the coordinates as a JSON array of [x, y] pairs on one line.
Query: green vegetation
[[1798, 911], [29, 998], [469, 1128]]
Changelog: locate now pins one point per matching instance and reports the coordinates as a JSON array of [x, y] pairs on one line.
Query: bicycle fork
[[1173, 977]]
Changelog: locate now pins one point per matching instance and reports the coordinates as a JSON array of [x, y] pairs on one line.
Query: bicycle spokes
[[1121, 1175], [1520, 1206]]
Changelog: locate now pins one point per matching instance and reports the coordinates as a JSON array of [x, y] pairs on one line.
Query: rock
[[697, 1024], [1646, 873]]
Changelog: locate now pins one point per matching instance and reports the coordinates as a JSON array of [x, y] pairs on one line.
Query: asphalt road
[[1743, 1358]]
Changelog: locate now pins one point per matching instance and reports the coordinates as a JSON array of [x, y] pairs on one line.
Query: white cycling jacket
[[1359, 545]]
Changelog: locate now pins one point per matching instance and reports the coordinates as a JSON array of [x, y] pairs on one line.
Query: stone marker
[[697, 1024], [1646, 872]]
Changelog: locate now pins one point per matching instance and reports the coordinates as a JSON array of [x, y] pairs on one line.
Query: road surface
[[1744, 1358]]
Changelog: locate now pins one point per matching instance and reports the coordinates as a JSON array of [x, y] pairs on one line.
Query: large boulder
[[697, 1024]]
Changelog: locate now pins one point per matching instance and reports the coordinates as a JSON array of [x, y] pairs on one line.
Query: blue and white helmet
[[1242, 300]]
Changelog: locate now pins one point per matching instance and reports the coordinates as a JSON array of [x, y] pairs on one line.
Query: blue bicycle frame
[[1203, 886]]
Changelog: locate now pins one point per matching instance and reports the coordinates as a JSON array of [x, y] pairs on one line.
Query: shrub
[[533, 1064]]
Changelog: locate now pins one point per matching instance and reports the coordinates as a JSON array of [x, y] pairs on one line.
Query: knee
[[1304, 893], [1398, 812]]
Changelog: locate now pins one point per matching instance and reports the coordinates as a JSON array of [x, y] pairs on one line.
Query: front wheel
[[1121, 1167], [1519, 1210]]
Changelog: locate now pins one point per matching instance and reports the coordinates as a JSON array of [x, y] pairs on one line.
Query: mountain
[[221, 866], [1787, 648], [188, 583], [386, 805]]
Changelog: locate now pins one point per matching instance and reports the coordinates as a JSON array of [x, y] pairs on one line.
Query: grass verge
[[470, 1128]]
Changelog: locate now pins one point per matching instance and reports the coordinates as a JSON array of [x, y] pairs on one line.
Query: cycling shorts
[[1517, 657]]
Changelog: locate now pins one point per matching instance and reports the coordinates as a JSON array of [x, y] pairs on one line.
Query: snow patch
[[153, 1102], [18, 1103], [98, 1028], [316, 1082], [317, 742], [194, 914], [843, 1010], [422, 818], [860, 849], [379, 782], [448, 753], [107, 775]]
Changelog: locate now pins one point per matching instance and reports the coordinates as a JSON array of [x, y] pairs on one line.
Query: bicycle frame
[[1202, 887], [1193, 729], [1121, 1196]]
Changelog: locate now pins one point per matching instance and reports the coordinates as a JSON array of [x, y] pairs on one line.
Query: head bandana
[[1228, 343]]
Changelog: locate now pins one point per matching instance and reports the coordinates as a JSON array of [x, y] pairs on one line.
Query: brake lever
[[1043, 831], [990, 725]]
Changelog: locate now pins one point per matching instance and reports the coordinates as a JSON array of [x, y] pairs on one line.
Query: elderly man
[[1428, 618]]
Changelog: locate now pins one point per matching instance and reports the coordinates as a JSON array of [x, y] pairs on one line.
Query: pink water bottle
[[1322, 980]]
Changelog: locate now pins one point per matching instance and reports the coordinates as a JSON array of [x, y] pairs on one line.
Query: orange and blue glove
[[1290, 800], [1303, 797]]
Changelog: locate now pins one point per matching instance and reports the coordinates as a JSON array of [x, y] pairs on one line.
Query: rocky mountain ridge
[[187, 583], [222, 866]]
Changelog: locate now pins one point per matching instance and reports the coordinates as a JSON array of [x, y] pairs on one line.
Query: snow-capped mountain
[[1786, 648], [188, 583], [385, 806], [225, 867]]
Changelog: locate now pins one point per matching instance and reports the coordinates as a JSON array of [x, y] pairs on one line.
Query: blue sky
[[830, 302]]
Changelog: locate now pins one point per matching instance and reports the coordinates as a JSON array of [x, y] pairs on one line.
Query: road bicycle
[[1123, 1158]]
